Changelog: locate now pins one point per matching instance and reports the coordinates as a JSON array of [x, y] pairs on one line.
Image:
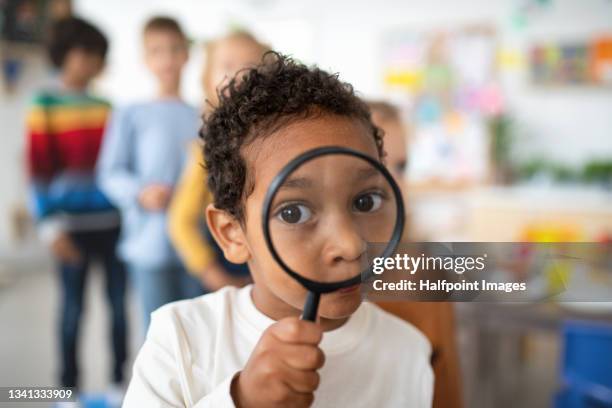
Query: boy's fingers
[[286, 395], [301, 381], [299, 399], [302, 357], [284, 385], [294, 330]]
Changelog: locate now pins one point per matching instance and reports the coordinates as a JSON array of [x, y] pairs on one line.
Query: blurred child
[[247, 347], [141, 161], [388, 118], [201, 255], [65, 128], [435, 319]]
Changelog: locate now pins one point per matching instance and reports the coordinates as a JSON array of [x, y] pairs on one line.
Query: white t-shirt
[[195, 347]]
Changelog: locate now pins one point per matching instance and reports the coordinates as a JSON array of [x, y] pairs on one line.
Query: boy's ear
[[228, 233]]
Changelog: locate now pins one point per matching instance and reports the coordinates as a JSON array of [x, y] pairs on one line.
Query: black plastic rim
[[326, 287]]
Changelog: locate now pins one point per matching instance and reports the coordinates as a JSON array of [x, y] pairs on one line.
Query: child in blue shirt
[[142, 159]]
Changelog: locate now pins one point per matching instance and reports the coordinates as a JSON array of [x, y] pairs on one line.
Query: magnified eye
[[367, 202], [294, 214]]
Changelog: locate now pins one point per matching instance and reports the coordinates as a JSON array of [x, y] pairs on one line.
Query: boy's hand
[[65, 250], [282, 370], [155, 197]]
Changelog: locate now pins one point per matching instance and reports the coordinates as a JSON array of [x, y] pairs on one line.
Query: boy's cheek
[[284, 286], [333, 306], [264, 268], [269, 274]]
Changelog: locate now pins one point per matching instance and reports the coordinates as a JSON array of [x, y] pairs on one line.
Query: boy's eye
[[295, 214], [367, 202]]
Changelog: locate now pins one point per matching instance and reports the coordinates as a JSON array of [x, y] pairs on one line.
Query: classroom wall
[[572, 125]]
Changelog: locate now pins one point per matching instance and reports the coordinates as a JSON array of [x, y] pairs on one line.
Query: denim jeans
[[94, 246], [156, 285]]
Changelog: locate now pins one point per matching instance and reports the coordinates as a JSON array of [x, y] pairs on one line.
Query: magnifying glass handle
[[311, 306]]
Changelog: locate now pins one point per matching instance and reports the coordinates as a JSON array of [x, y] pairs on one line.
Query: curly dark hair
[[73, 32], [257, 102]]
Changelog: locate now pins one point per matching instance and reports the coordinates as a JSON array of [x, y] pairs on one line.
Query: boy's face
[[229, 56], [340, 251], [81, 66], [165, 54]]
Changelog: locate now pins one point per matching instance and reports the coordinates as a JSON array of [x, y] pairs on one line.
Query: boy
[[247, 347], [141, 161], [65, 127]]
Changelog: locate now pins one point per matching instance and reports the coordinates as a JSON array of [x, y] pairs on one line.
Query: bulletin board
[[446, 83], [581, 63]]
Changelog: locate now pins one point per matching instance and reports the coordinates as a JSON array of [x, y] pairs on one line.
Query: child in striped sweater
[[64, 131]]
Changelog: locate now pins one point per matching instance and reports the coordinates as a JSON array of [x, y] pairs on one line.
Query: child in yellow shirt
[[199, 252]]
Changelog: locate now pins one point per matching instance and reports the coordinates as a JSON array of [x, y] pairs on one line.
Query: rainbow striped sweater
[[64, 134]]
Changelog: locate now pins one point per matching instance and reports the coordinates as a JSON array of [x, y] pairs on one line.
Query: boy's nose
[[345, 243]]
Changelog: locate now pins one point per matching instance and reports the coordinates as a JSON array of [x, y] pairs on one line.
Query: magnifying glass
[[327, 214]]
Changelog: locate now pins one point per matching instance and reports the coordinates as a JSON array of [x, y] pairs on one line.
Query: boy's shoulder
[[51, 97], [164, 109], [46, 98], [193, 326], [213, 300], [206, 309], [395, 330], [157, 103]]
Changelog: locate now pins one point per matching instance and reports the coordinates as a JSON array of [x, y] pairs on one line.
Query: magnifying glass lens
[[331, 215]]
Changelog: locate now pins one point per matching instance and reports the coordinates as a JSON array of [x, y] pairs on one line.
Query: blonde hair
[[210, 46], [385, 111]]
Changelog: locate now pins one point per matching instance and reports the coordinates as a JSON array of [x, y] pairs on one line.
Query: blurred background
[[508, 110]]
